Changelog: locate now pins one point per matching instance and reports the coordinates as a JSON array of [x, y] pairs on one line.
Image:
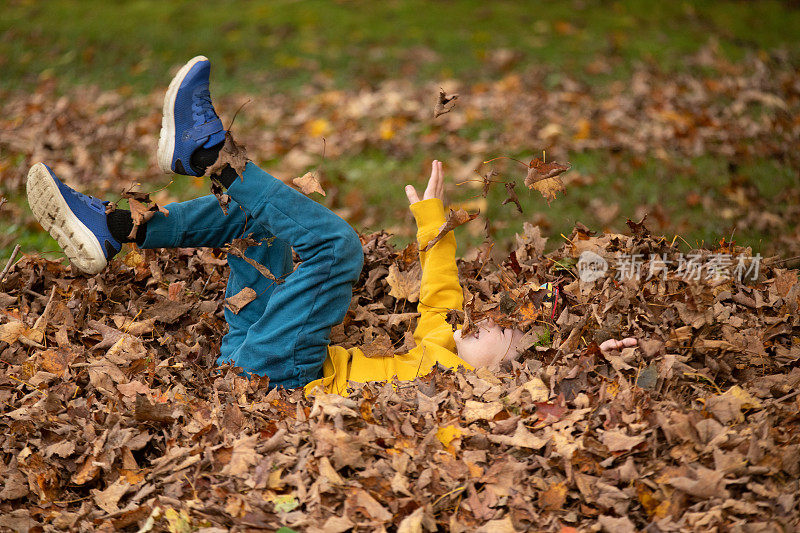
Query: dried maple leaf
[[545, 178], [308, 183], [222, 197], [231, 154], [638, 228], [380, 346], [512, 196], [404, 285], [141, 210], [238, 246], [487, 181], [455, 218], [444, 104]]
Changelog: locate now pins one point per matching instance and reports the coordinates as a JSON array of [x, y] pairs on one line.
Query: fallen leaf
[[447, 434], [108, 499], [616, 440], [404, 285], [554, 497], [308, 183]]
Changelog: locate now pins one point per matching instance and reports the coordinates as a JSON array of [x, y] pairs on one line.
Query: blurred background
[[688, 112]]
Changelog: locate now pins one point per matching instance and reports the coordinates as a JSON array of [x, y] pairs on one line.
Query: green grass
[[285, 44]]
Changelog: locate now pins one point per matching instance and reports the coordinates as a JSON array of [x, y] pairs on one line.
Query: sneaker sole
[[51, 210], [166, 142]]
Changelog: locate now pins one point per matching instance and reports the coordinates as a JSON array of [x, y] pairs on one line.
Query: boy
[[283, 333]]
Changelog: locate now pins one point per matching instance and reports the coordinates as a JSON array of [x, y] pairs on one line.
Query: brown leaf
[[455, 218], [108, 499], [141, 211], [222, 197], [238, 247], [512, 196], [444, 104], [545, 178], [554, 497], [616, 440], [238, 301], [379, 346], [231, 154], [243, 456], [308, 183], [147, 412], [638, 228], [11, 331]]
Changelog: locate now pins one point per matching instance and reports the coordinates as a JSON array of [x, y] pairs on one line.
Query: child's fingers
[[614, 344], [440, 182], [412, 195]]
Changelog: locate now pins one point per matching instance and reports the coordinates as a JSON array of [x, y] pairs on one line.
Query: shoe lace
[[203, 101]]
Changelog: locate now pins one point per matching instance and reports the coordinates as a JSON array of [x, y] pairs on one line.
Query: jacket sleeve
[[440, 290]]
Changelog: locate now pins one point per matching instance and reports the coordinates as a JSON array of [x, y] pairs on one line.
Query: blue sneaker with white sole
[[75, 220], [189, 121]]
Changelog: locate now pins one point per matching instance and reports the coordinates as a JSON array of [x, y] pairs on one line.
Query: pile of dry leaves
[[114, 417]]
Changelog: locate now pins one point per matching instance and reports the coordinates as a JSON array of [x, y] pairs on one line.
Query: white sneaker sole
[[166, 142], [51, 210]]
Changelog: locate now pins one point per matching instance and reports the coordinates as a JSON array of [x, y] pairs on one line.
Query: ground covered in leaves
[[114, 417]]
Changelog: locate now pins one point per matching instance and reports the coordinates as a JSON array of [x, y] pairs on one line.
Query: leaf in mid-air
[[454, 219], [545, 178]]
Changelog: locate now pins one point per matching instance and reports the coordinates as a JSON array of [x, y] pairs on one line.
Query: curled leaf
[[142, 210], [455, 218], [444, 104], [512, 196], [308, 183], [231, 154]]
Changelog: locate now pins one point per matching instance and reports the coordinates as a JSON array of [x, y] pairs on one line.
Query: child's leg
[[201, 223], [288, 342]]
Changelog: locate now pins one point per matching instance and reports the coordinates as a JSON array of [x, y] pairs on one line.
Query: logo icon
[[591, 267]]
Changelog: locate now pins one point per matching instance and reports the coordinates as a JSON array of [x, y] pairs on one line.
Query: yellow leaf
[[134, 259], [132, 476], [387, 129], [319, 127], [545, 178], [447, 435], [584, 130], [404, 285], [178, 522], [747, 401]]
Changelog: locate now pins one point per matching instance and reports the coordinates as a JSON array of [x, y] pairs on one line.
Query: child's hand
[[614, 344], [435, 187]]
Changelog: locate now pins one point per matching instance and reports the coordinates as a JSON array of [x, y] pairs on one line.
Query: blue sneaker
[[76, 221], [189, 121]]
